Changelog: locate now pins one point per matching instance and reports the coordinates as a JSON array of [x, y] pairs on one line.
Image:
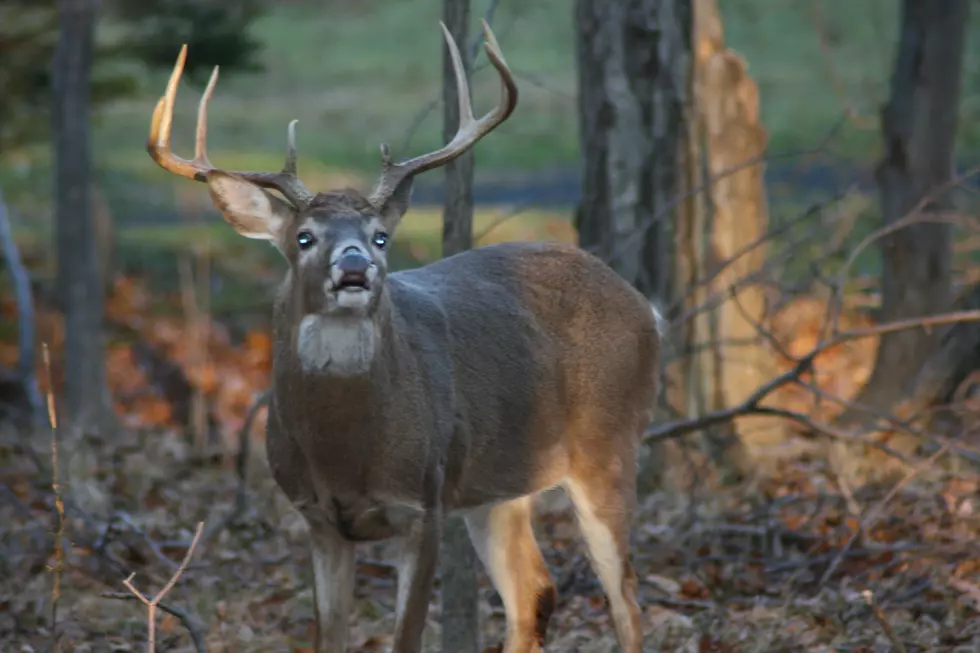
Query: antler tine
[[462, 85], [470, 129], [285, 181], [201, 131], [158, 143], [289, 167]]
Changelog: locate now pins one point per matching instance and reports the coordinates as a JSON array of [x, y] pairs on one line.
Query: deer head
[[335, 242]]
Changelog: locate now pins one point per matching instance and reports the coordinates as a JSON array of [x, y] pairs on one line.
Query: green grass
[[355, 76]]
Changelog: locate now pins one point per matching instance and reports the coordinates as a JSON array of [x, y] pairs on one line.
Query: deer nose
[[353, 263]]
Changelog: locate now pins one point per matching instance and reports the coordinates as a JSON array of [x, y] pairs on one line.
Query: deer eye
[[305, 240], [380, 240]]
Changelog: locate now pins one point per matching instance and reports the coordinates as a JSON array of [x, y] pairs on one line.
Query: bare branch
[[751, 404], [191, 623], [59, 536], [871, 515], [883, 621], [152, 604], [25, 313]]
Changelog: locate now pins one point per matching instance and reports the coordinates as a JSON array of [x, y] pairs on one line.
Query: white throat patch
[[339, 346]]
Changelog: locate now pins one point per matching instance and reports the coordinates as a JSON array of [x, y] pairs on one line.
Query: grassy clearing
[[356, 75]]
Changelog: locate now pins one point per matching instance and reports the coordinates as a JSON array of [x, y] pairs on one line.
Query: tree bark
[[460, 610], [633, 58], [918, 128], [81, 293], [728, 101], [724, 358]]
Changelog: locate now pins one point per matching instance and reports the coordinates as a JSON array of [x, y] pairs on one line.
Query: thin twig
[[59, 551], [883, 621], [510, 214], [151, 604], [191, 623], [871, 515]]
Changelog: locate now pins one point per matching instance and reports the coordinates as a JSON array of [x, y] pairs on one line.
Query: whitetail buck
[[468, 385]]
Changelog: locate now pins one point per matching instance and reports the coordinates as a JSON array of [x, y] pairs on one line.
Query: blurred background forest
[[793, 182]]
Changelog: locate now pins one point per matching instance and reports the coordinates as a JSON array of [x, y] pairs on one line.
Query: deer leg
[[604, 507], [416, 573], [504, 540], [333, 586]]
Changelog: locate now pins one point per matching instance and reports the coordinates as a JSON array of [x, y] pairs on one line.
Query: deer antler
[[470, 129], [158, 144]]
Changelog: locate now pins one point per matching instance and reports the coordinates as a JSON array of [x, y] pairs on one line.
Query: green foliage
[[215, 31], [132, 37]]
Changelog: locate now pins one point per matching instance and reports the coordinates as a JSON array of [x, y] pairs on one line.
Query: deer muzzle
[[353, 271]]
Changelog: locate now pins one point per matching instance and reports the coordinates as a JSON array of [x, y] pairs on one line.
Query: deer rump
[[500, 372]]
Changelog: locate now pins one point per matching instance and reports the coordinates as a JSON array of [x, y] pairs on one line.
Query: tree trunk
[[722, 132], [918, 128], [728, 101], [460, 613], [86, 393], [632, 64]]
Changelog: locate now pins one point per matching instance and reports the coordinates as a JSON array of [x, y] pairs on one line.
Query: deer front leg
[[333, 586], [416, 572]]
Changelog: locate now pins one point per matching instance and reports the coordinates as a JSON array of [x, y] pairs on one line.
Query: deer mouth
[[353, 283], [351, 292]]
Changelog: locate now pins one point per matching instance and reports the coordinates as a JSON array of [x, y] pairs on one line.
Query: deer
[[467, 386]]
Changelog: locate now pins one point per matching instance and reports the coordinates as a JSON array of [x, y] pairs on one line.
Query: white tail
[[468, 385]]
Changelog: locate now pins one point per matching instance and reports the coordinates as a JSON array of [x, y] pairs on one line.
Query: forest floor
[[791, 561], [797, 558]]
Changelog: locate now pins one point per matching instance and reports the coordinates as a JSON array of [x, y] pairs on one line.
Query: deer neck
[[338, 347]]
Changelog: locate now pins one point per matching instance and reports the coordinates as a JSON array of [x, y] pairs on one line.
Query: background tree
[[148, 34], [918, 126], [719, 245], [460, 610], [86, 394], [632, 81]]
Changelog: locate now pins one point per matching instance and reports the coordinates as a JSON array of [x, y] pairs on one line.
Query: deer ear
[[252, 212], [396, 205]]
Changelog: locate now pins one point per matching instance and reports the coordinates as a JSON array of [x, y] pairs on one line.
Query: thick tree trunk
[[86, 393], [633, 58], [460, 610], [918, 129]]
